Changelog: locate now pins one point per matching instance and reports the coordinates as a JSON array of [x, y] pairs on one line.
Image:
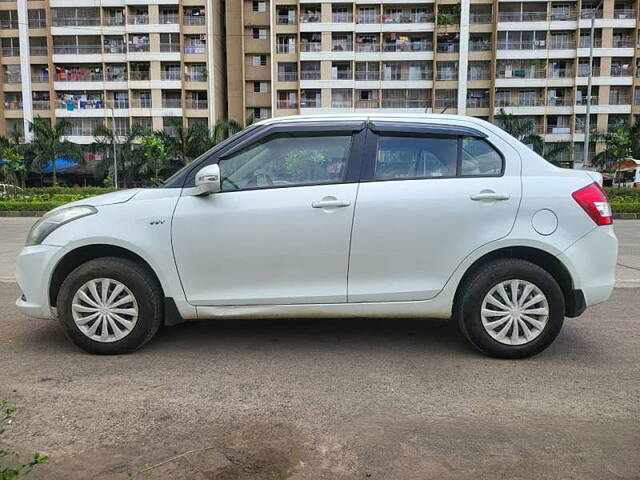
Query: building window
[[259, 60], [259, 33], [259, 6], [260, 87]]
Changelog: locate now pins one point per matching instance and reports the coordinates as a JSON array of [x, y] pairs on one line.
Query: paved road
[[329, 399]]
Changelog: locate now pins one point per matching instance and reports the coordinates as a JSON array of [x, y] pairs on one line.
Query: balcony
[[13, 105], [588, 13], [443, 103], [342, 17], [286, 20], [194, 20], [141, 103], [520, 73], [287, 76], [583, 71], [371, 76], [310, 75], [522, 16], [341, 46], [195, 104], [619, 99], [520, 102], [169, 18], [527, 45], [311, 102], [562, 44], [372, 103], [139, 47], [478, 102], [195, 76], [564, 16], [561, 73], [37, 23], [407, 18], [407, 75], [367, 47], [75, 21], [341, 103], [41, 105], [92, 104], [114, 21], [559, 102], [310, 46], [342, 75], [39, 78], [415, 46], [171, 103], [478, 74], [8, 25], [621, 70], [37, 51], [115, 76], [405, 103], [118, 104], [194, 48], [287, 104], [480, 46], [286, 48], [79, 76], [446, 75], [170, 47], [480, 18], [76, 49], [583, 100], [115, 48], [10, 51], [622, 42], [139, 75], [624, 13], [311, 17], [585, 42], [367, 18], [12, 78], [170, 75], [138, 19], [558, 129]]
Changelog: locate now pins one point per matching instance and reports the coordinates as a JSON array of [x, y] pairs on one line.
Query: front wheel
[[511, 308], [110, 305]]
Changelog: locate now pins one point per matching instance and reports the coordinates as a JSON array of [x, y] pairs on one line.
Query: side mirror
[[207, 180]]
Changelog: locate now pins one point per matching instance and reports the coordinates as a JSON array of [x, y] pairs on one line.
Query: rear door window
[[401, 157]]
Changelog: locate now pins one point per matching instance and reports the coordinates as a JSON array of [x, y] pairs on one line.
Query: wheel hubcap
[[104, 310], [514, 312]]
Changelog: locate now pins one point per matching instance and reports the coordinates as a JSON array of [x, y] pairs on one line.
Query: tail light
[[593, 200]]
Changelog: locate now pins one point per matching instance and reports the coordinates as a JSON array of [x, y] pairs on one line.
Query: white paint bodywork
[[400, 248]]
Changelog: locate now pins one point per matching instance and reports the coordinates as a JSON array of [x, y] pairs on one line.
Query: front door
[[427, 200], [278, 232]]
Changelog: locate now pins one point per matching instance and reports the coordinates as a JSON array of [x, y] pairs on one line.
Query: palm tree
[[49, 143], [524, 129], [187, 144], [128, 151], [12, 152], [620, 143]]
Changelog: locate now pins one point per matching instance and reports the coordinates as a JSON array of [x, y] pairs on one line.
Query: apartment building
[[117, 64], [474, 57]]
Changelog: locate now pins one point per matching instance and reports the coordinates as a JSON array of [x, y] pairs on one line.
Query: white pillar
[[25, 67], [464, 56]]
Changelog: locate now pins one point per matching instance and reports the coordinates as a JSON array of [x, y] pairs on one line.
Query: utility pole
[[587, 118], [113, 142]]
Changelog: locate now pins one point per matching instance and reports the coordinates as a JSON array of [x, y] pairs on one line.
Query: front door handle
[[331, 203], [490, 195]]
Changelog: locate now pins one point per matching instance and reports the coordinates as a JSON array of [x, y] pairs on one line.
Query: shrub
[[20, 206], [626, 207]]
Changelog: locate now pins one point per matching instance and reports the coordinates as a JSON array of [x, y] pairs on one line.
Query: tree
[[155, 154], [187, 144], [128, 152], [49, 143], [12, 152], [620, 143], [524, 130]]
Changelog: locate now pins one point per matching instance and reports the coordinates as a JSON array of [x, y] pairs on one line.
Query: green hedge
[[84, 191], [628, 207], [623, 195], [20, 206]]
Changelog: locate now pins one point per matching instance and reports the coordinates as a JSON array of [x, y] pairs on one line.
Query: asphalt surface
[[328, 399]]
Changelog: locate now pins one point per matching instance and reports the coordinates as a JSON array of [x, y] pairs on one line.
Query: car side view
[[372, 215]]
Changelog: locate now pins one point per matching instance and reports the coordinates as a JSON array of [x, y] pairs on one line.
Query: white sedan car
[[430, 216]]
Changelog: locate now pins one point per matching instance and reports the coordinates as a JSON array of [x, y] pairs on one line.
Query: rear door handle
[[490, 195], [331, 203]]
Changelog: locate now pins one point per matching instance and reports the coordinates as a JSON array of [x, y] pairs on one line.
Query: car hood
[[121, 196]]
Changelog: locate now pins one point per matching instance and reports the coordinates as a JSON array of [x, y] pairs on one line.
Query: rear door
[[429, 197]]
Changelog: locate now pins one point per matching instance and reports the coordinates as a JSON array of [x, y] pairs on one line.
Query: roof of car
[[408, 117]]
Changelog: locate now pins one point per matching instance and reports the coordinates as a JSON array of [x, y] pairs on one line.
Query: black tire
[[480, 283], [137, 279]]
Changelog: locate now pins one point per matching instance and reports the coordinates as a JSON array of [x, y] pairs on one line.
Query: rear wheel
[[511, 308], [110, 305]]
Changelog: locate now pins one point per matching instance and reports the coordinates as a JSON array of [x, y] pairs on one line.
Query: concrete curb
[[626, 216]]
